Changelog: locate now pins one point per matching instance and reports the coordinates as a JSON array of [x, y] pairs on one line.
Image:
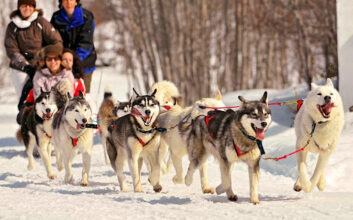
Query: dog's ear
[[218, 95], [154, 92], [80, 94], [329, 82], [313, 86], [264, 98], [68, 95], [41, 90], [243, 100], [137, 95]]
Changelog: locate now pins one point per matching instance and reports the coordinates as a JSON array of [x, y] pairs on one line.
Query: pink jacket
[[45, 80]]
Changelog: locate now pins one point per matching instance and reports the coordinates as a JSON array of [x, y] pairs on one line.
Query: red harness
[[74, 141], [207, 121]]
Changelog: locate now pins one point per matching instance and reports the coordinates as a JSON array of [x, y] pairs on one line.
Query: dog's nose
[[327, 99], [148, 112], [84, 120], [263, 124], [47, 110]]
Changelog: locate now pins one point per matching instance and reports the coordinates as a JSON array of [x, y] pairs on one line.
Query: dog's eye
[[319, 93], [42, 103], [331, 93], [141, 105], [265, 114], [152, 105], [253, 115], [85, 109], [76, 110]]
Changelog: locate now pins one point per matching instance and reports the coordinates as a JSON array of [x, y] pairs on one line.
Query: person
[[52, 72], [72, 62], [25, 35], [76, 26]]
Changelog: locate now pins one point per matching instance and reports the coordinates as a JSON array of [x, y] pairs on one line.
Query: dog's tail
[[19, 136], [108, 93]]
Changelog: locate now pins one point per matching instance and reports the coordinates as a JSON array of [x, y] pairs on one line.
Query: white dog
[[320, 120]]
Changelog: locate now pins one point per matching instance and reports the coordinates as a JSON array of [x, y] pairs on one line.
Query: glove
[[29, 70]]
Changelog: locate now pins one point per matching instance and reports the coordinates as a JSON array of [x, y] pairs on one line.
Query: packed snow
[[31, 195]]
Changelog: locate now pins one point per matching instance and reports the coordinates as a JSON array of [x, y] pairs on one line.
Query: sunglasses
[[52, 58]]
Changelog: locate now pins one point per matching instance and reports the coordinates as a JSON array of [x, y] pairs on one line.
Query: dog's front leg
[[318, 177], [46, 157], [226, 185], [29, 151], [155, 171], [204, 182], [162, 153], [133, 165], [86, 160], [254, 170], [303, 179], [68, 155]]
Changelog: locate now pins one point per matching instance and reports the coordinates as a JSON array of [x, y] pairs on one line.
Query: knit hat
[[53, 50], [26, 2]]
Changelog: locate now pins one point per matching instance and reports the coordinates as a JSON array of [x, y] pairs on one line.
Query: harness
[[148, 132]]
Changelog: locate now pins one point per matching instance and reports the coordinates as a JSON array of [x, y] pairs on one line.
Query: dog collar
[[151, 130], [258, 142], [313, 126]]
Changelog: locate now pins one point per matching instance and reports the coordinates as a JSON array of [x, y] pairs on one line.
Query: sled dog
[[136, 137], [320, 119], [109, 111], [36, 129], [177, 145], [229, 136], [70, 135]]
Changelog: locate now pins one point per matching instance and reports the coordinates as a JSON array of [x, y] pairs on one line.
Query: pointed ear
[[154, 92], [218, 95], [135, 92], [329, 82], [80, 93], [68, 95], [41, 90], [313, 86], [264, 98], [241, 98]]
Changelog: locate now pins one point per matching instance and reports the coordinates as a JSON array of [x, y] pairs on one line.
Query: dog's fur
[[323, 106], [225, 131], [134, 137], [109, 111], [36, 129], [70, 124], [172, 138]]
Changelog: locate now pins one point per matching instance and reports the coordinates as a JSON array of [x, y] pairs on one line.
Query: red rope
[[284, 156]]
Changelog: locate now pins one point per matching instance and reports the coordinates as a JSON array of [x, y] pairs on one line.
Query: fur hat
[[53, 50], [26, 2]]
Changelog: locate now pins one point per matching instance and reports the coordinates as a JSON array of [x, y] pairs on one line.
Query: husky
[[70, 135], [229, 136], [320, 120], [109, 111], [167, 95], [136, 137], [173, 139], [36, 129]]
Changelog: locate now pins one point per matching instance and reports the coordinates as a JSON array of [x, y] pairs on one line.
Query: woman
[[25, 35], [76, 26], [72, 62], [52, 72]]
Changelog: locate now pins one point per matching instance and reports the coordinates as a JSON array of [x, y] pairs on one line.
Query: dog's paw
[[321, 184], [157, 188], [220, 189], [68, 179], [31, 166], [233, 198], [178, 180], [84, 183], [124, 189], [208, 191], [60, 167], [52, 176], [255, 201], [297, 188], [305, 185], [188, 180]]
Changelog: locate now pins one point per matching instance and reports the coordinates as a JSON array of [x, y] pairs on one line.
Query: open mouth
[[80, 126], [146, 120], [325, 109], [47, 116], [166, 107], [260, 132]]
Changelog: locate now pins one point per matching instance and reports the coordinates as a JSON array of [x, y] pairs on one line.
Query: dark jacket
[[25, 37], [77, 34]]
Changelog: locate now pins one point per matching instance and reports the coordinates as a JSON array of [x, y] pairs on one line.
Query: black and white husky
[[36, 129], [70, 135], [229, 136], [136, 137]]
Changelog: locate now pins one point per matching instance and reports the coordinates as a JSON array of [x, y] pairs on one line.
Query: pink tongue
[[146, 118], [327, 108], [78, 126], [260, 134], [167, 107]]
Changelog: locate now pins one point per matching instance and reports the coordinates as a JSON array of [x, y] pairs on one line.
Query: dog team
[[156, 130]]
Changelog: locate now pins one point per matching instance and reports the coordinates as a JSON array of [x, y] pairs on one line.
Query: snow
[[31, 195]]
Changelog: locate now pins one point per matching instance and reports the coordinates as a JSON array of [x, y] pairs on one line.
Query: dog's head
[[145, 109], [44, 106], [255, 116], [167, 95], [78, 112], [121, 109], [323, 102], [199, 106]]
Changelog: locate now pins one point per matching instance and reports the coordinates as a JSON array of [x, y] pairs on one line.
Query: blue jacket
[[77, 34]]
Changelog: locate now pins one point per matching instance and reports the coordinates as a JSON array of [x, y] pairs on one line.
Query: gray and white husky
[[229, 136], [136, 137], [36, 129], [70, 135]]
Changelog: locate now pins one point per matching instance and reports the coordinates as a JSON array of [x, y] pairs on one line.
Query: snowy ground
[[30, 195]]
